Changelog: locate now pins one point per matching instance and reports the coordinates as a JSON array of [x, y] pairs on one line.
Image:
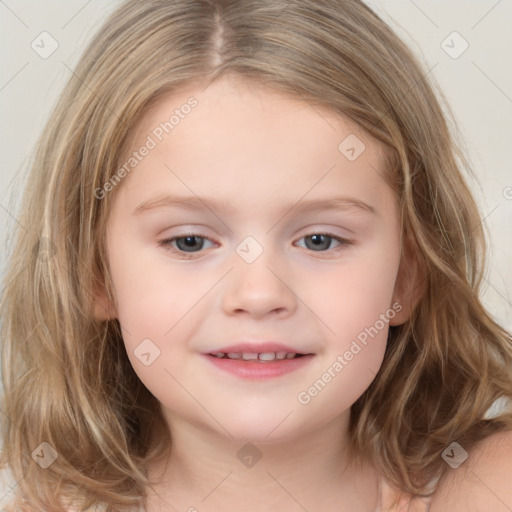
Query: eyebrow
[[195, 203]]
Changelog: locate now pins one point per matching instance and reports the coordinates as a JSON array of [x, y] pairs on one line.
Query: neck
[[207, 471]]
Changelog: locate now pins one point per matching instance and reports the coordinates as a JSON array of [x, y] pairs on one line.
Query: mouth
[[253, 357], [259, 366]]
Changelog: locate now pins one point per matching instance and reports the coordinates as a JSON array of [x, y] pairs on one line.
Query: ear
[[410, 284], [103, 307]]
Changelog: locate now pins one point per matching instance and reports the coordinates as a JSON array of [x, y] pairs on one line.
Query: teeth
[[249, 356]]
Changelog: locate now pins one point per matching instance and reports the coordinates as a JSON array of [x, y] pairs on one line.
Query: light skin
[[260, 153]]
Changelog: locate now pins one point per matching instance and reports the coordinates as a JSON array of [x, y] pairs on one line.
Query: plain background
[[477, 85]]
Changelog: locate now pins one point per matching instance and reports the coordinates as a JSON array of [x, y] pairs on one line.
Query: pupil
[[190, 242], [318, 242]]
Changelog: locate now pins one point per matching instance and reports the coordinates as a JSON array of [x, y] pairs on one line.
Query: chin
[[258, 426]]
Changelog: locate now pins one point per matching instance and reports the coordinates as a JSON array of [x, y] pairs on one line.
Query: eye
[[321, 241], [188, 244]]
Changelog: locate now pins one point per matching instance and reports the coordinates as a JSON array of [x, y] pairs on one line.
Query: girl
[[249, 275]]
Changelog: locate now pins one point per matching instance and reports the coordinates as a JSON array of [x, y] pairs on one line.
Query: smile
[[262, 358], [259, 366]]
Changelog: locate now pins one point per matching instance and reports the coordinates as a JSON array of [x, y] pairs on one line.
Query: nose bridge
[[257, 284]]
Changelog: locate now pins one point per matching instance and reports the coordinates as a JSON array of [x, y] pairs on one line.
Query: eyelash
[[166, 243]]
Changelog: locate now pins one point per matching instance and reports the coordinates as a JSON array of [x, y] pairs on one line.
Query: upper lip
[[256, 348]]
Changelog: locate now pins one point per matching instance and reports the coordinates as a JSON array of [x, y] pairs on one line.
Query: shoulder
[[482, 483]]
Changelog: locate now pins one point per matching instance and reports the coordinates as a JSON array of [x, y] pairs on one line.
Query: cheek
[[150, 300], [340, 382], [156, 309], [355, 312], [356, 306], [355, 294]]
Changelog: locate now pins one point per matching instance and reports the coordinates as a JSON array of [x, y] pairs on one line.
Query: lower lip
[[256, 370]]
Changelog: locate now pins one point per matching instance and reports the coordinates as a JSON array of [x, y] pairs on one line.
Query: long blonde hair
[[68, 381]]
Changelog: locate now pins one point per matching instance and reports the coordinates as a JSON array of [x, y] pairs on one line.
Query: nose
[[258, 289]]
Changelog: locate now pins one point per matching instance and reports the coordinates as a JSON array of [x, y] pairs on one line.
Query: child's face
[[256, 154]]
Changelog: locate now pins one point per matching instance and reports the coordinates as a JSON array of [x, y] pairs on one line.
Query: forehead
[[248, 113], [240, 138]]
